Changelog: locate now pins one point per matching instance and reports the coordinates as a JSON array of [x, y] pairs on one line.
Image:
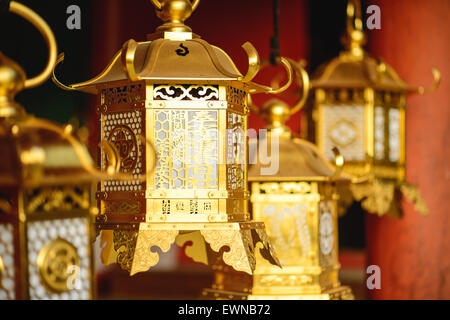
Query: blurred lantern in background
[[298, 204], [188, 98], [359, 106], [45, 193]]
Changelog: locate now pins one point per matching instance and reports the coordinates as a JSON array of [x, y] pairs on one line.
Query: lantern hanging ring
[[49, 38]]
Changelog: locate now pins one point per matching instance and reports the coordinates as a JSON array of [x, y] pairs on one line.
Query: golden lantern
[[359, 105], [45, 193], [298, 205], [188, 98]]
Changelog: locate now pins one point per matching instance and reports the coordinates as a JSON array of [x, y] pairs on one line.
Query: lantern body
[[362, 122], [188, 100], [198, 131], [298, 205], [301, 220], [45, 221]]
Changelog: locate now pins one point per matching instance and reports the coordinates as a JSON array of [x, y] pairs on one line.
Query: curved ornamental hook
[[382, 68], [434, 85], [112, 171], [254, 66], [303, 81], [338, 162], [302, 78], [49, 37]]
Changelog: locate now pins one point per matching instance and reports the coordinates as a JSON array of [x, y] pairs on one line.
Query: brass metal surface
[[54, 262], [359, 106], [45, 186], [189, 100]]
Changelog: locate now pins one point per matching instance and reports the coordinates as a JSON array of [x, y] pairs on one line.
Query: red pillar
[[414, 252]]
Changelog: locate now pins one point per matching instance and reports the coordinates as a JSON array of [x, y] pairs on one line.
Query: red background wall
[[414, 252]]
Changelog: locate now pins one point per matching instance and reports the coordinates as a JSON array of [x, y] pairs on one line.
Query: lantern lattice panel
[[235, 151], [379, 136], [327, 233], [41, 233], [186, 143], [7, 275], [122, 130], [343, 126]]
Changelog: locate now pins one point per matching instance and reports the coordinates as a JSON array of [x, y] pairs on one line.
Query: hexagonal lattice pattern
[[7, 289], [125, 126]]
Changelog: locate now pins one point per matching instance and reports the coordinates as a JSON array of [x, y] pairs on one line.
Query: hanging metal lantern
[[188, 98], [298, 205], [45, 193], [359, 105]]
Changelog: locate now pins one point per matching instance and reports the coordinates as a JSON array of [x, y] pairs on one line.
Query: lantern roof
[[298, 158], [35, 152], [349, 71], [173, 53], [195, 60], [354, 68]]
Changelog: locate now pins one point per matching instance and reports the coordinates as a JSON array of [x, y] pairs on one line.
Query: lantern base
[[339, 293], [132, 248]]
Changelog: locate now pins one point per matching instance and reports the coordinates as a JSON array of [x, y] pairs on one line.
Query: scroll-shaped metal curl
[[55, 80], [302, 79], [112, 171], [338, 162], [254, 66], [128, 53], [434, 85], [49, 38]]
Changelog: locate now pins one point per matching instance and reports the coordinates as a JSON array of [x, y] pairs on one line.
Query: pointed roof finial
[[174, 13], [354, 39]]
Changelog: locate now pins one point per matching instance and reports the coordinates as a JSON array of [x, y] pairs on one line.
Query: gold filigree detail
[[412, 193], [240, 255], [124, 245], [267, 251], [284, 280], [54, 261], [376, 196], [123, 95], [144, 258], [285, 187], [123, 206], [59, 198], [186, 92]]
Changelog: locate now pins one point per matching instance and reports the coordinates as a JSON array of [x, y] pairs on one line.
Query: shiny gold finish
[[302, 79], [359, 106], [174, 13], [2, 269], [299, 206], [189, 100], [45, 182], [54, 262], [46, 32]]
